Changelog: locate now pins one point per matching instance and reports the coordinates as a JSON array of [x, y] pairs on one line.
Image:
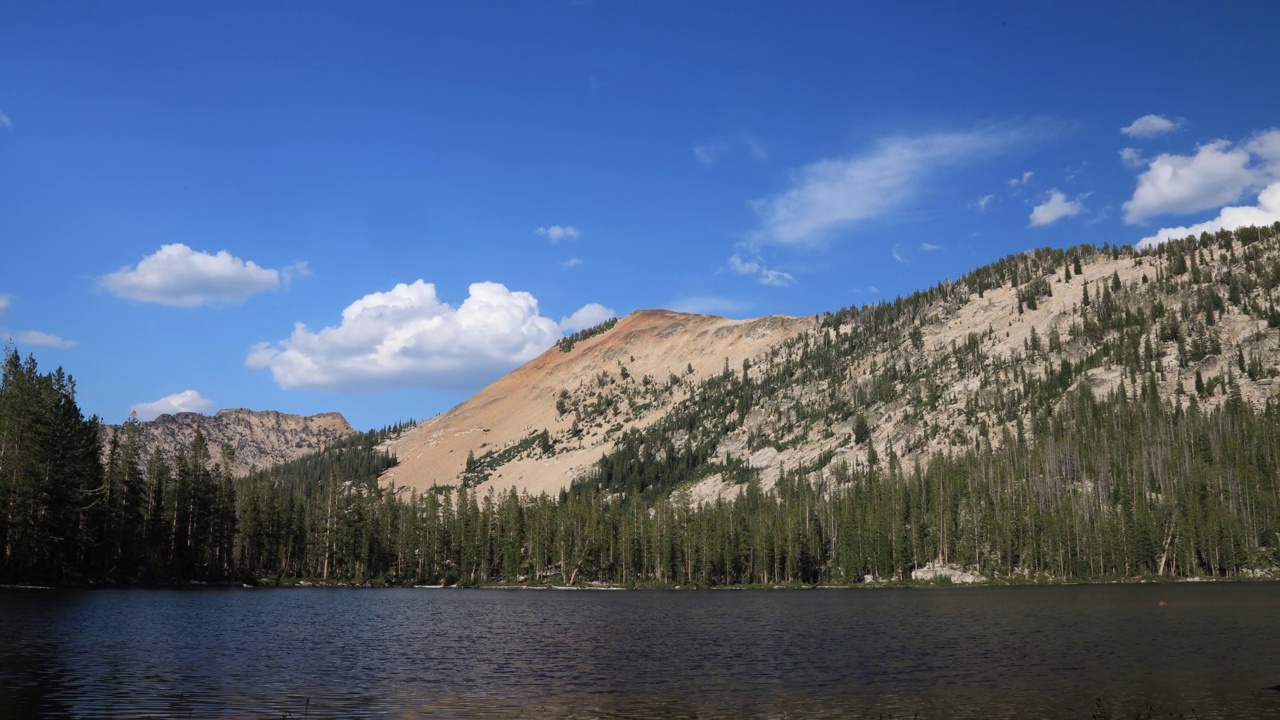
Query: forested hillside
[[1083, 413]]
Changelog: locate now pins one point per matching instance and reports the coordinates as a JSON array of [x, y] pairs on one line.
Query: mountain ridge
[[259, 438]]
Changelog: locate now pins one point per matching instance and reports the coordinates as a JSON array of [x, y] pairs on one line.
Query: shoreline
[[267, 584]]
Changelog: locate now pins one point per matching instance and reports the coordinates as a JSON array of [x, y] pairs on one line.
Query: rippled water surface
[[1212, 651]]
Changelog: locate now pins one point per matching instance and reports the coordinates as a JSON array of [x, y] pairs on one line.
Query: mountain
[[581, 395], [964, 365], [260, 438]]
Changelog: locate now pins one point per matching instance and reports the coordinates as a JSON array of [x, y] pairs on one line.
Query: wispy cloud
[[896, 252], [716, 149], [1022, 181], [178, 276], [1149, 126], [764, 275], [983, 202], [39, 339], [775, 278], [929, 247], [556, 233], [185, 401], [1132, 158], [710, 305], [5, 122], [5, 302], [1054, 208], [833, 194], [572, 262]]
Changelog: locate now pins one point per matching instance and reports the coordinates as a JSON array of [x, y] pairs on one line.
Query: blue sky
[[318, 206]]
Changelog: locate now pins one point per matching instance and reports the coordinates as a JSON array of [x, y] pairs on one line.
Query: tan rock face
[[620, 379], [259, 438]]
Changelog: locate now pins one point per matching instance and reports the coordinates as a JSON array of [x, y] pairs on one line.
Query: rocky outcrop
[[260, 438], [953, 573]]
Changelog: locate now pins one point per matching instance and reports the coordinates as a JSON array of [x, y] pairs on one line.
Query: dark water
[[1211, 652]]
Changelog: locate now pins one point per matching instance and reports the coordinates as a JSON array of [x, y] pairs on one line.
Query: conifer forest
[[1051, 481]]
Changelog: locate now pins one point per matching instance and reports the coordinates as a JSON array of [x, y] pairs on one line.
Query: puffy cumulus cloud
[[185, 401], [1054, 208], [1149, 126], [40, 339], [178, 276], [556, 233], [1266, 146], [1266, 212], [588, 315], [408, 337], [831, 194], [1217, 174]]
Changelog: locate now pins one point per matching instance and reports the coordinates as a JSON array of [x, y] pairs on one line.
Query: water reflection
[[990, 652]]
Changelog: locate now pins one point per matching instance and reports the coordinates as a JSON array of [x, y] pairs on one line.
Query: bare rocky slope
[[625, 377], [260, 438], [969, 362]]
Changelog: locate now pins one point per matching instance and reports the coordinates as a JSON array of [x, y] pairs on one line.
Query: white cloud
[[1132, 158], [588, 315], [179, 276], [743, 267], [1054, 208], [408, 337], [775, 278], [710, 305], [1266, 146], [1266, 212], [572, 262], [5, 302], [5, 121], [556, 233], [296, 269], [896, 252], [1022, 181], [828, 195], [716, 149], [39, 339], [983, 202], [929, 247], [764, 275], [869, 290], [185, 401], [1149, 126], [1217, 174]]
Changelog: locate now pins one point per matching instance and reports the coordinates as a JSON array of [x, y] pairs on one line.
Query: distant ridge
[[260, 438]]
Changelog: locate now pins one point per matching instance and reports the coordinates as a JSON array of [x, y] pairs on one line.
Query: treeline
[[72, 513], [566, 343], [1101, 488]]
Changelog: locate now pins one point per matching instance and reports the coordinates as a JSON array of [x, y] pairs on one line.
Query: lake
[[1212, 651]]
